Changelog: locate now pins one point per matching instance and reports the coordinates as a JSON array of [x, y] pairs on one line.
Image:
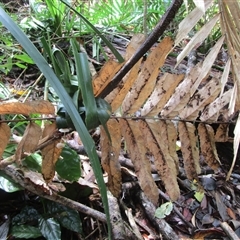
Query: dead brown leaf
[[27, 108], [29, 141], [200, 99], [172, 142], [5, 133], [181, 95], [136, 146], [36, 179], [215, 106], [163, 90], [156, 136], [105, 76], [110, 154], [189, 148], [146, 80], [50, 153], [222, 133], [116, 97], [208, 147]]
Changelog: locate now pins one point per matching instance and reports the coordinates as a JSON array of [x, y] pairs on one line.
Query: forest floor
[[216, 216]]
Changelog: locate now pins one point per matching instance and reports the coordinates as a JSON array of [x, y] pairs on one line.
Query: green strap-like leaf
[[62, 63], [85, 84], [104, 112]]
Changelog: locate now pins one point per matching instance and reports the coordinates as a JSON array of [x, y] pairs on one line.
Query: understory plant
[[71, 95]]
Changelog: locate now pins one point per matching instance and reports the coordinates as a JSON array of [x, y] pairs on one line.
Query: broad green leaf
[[68, 165], [20, 65], [24, 57], [33, 162], [7, 184], [27, 215], [50, 228], [199, 195], [67, 102], [25, 231], [164, 210], [67, 217]]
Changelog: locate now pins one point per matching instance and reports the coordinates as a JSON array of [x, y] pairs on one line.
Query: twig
[[18, 177], [120, 229], [163, 227], [131, 220], [228, 230], [163, 195], [7, 161], [28, 119], [159, 117], [146, 228], [153, 37]]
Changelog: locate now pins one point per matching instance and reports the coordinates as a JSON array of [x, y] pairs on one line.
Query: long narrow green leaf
[[42, 64], [112, 48], [47, 49], [85, 83], [63, 65]]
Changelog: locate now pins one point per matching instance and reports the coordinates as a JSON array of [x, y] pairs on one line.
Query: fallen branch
[[17, 175], [163, 227], [228, 230]]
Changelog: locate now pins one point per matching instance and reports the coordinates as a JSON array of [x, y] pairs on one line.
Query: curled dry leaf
[[189, 148], [225, 75], [222, 133], [50, 153], [136, 145], [29, 141], [207, 145], [38, 181], [146, 80], [27, 108], [5, 133], [156, 136], [110, 153]]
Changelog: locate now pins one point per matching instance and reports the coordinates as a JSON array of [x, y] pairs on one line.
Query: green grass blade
[[42, 64], [111, 47]]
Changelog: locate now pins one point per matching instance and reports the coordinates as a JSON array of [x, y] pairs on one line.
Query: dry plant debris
[[152, 110]]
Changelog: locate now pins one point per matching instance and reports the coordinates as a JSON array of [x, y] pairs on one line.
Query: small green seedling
[[164, 210]]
